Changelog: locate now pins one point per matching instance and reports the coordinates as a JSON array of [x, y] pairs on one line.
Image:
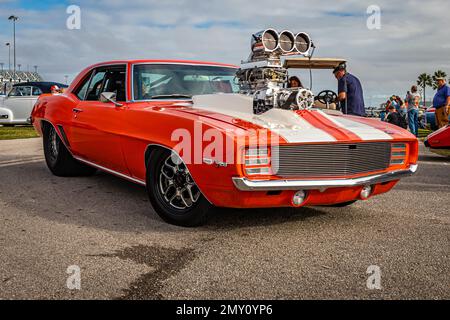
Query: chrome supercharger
[[263, 76]]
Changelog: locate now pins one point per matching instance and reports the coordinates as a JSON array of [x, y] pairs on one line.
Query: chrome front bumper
[[245, 184]]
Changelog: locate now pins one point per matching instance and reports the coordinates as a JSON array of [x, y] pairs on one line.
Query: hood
[[303, 126]]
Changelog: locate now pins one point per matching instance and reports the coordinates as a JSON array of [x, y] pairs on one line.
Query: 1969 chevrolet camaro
[[187, 132]]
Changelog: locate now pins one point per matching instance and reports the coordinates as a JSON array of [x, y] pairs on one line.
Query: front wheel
[[172, 191]]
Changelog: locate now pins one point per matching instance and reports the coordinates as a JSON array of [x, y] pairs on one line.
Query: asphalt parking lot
[[106, 226]]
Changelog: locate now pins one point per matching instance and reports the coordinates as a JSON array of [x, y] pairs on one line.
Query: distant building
[[8, 78]]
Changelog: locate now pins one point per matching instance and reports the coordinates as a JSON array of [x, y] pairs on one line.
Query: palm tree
[[424, 81], [438, 74]]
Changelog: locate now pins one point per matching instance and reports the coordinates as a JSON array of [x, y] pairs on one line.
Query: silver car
[[16, 106]]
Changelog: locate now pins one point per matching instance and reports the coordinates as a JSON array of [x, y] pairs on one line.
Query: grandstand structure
[[9, 77]]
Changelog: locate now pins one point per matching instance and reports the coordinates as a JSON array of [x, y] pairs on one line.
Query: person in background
[[350, 92], [412, 104], [393, 100], [384, 113], [441, 102], [294, 82], [401, 106], [396, 118]]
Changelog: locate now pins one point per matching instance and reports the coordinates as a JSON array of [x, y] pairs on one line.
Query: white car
[[16, 106]]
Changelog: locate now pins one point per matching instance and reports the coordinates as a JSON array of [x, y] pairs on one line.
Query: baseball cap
[[340, 67]]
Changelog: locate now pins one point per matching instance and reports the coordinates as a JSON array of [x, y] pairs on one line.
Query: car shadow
[[106, 202]]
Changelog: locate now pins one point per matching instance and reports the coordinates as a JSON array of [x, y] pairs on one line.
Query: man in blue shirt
[[350, 92], [441, 102]]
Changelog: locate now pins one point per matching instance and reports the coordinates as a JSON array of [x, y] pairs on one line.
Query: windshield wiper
[[174, 95]]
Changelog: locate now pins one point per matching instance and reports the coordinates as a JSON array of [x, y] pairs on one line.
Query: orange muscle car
[[184, 130]]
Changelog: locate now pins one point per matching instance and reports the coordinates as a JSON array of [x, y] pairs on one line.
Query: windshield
[[176, 81]]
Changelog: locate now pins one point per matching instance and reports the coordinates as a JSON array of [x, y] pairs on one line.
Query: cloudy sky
[[413, 37]]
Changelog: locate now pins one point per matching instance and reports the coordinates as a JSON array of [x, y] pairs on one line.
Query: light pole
[[14, 19], [35, 68], [9, 55], [19, 65]]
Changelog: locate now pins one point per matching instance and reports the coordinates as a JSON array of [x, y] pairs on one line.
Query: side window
[[82, 89], [20, 92], [36, 91], [104, 79], [95, 86], [115, 81]]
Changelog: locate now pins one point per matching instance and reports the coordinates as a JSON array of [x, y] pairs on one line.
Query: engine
[[263, 76]]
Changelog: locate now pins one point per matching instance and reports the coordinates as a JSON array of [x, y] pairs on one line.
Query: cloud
[[412, 40]]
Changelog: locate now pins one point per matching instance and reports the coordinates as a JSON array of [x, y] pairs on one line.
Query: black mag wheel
[[173, 192], [176, 184]]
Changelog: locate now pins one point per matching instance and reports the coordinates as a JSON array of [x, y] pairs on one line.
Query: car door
[[20, 102], [96, 127]]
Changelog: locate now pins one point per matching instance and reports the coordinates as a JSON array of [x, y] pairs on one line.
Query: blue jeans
[[413, 121]]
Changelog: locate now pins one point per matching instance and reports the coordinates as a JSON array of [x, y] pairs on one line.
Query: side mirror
[[109, 97]]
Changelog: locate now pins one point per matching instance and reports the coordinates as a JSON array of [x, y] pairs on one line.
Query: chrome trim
[[326, 160], [121, 175], [245, 184]]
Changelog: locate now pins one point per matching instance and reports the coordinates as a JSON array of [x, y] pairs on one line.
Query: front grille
[[330, 160]]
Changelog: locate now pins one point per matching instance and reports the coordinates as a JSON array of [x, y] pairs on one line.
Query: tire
[[58, 158], [342, 205], [173, 193]]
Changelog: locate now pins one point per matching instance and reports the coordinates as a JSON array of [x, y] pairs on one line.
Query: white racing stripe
[[364, 131], [295, 129], [287, 124]]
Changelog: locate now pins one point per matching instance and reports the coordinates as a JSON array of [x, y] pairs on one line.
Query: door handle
[[76, 110]]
